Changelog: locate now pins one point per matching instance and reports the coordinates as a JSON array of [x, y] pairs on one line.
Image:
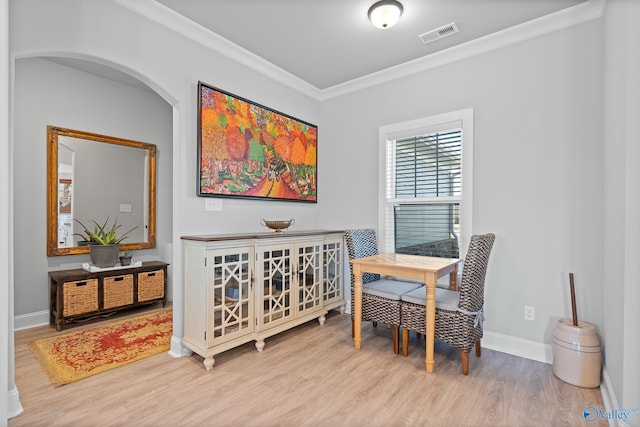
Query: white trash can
[[577, 357]]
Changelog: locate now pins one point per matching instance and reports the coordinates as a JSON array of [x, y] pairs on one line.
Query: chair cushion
[[390, 289], [446, 299]]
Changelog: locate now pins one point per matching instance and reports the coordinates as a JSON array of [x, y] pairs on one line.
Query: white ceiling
[[326, 43], [325, 48]]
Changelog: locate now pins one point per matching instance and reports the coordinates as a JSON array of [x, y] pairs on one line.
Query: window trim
[[461, 118]]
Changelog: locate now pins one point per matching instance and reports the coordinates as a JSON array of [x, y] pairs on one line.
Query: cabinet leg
[[343, 308], [208, 363], [260, 345], [321, 320]]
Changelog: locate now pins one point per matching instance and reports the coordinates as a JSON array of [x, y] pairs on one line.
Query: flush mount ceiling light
[[385, 13]]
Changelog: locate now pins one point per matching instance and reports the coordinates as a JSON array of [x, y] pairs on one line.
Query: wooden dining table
[[426, 269]]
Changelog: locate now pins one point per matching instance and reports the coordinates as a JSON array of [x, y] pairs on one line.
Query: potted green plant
[[126, 258], [104, 242]]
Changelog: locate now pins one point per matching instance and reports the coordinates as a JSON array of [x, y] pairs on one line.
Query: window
[[426, 194]]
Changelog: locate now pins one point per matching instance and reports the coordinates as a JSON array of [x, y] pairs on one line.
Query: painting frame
[[249, 151]]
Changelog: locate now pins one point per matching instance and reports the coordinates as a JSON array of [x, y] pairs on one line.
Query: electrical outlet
[[529, 313]]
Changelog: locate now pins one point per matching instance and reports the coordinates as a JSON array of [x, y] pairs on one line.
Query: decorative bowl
[[278, 226]]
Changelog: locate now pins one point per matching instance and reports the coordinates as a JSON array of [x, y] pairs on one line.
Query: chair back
[[362, 243], [474, 271]]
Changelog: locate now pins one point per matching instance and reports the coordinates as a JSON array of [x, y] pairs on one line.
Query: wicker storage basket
[[79, 297], [150, 285], [118, 291]]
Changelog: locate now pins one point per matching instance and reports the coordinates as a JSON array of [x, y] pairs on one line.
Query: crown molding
[[562, 19], [157, 12], [168, 18]]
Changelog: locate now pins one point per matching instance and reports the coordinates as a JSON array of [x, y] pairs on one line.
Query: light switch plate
[[213, 205], [125, 207]]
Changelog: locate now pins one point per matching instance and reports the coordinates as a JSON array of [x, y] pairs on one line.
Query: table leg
[[430, 280], [357, 306], [453, 279]]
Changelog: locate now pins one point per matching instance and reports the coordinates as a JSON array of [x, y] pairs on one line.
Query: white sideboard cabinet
[[245, 287]]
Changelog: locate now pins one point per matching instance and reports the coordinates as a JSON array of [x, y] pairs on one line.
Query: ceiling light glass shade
[[385, 13]]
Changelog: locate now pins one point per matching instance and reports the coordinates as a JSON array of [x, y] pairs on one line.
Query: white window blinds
[[424, 190], [428, 166]]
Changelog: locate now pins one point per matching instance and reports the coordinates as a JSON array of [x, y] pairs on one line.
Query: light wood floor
[[308, 376]]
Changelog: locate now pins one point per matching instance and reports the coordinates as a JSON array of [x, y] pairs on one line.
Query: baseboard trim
[[610, 399], [14, 407], [177, 349], [31, 320], [521, 347]]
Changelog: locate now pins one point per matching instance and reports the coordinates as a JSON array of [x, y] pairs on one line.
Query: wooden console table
[[77, 294]]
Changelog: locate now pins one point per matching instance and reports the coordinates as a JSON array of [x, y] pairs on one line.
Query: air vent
[[438, 33]]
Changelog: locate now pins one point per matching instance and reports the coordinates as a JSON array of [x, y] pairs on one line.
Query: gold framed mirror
[[92, 177]]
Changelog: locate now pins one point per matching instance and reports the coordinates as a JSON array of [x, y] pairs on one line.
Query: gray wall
[[47, 93], [622, 202], [537, 167]]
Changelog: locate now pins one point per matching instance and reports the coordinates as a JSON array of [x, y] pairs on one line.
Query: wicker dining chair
[[459, 314], [380, 296]]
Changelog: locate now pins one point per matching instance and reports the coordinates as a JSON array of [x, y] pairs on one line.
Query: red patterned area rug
[[77, 355]]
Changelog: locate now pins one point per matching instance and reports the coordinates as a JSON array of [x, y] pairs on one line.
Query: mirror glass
[[95, 177]]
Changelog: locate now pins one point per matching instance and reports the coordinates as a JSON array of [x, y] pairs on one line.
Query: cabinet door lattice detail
[[332, 283], [231, 285], [309, 277], [276, 285]]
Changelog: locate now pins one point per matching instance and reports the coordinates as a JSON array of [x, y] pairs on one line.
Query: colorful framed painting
[[250, 151]]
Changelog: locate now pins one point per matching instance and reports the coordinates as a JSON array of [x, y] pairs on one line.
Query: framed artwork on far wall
[[64, 195], [247, 150]]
